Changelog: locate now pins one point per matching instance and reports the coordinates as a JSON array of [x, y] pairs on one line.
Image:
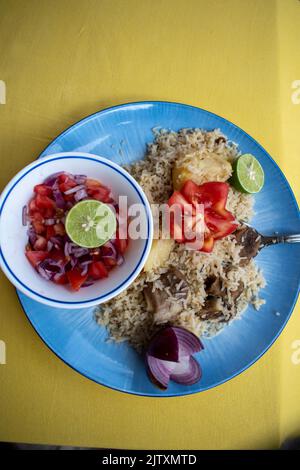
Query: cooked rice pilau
[[126, 316]]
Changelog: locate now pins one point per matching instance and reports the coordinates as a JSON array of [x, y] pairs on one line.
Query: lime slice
[[90, 223], [248, 175]]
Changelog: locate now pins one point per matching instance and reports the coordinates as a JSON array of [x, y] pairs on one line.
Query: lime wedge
[[90, 223], [248, 175]]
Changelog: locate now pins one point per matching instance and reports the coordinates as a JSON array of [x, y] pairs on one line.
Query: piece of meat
[[250, 242], [212, 309], [236, 293], [166, 303], [213, 286]]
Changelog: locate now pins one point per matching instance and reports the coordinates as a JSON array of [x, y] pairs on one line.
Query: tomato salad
[[49, 249], [219, 222]]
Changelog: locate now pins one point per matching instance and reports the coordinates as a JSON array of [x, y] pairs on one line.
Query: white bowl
[[13, 235]]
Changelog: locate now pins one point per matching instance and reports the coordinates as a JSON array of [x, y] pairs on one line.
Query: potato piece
[[200, 168], [159, 254]]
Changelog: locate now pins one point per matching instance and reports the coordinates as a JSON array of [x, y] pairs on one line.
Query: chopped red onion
[[57, 242], [86, 263], [81, 194], [69, 205], [50, 180], [45, 274], [80, 179], [74, 190], [49, 221], [59, 200], [84, 270], [80, 252], [87, 284], [32, 236], [120, 259], [52, 266], [109, 251], [49, 245], [66, 249]]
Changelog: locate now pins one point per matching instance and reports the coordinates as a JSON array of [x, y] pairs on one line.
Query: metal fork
[[274, 239]]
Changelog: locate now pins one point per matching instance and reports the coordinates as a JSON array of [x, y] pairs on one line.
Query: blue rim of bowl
[[176, 394], [83, 302]]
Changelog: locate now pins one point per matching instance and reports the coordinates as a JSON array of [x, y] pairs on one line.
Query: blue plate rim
[[266, 349]]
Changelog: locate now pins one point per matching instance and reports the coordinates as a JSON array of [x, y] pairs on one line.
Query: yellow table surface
[[61, 60]]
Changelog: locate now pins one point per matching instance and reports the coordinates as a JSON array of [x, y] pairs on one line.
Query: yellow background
[[62, 60]]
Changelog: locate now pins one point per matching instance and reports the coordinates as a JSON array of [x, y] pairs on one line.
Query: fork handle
[[291, 238], [281, 239]]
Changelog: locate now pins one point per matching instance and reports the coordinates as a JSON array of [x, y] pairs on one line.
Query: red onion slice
[[169, 357], [187, 371], [188, 342], [159, 372], [164, 345]]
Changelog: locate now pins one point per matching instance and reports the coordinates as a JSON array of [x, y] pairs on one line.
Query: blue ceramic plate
[[120, 134]]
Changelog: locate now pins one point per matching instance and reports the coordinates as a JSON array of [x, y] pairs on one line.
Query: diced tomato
[[68, 184], [109, 262], [57, 255], [50, 232], [181, 210], [37, 217], [121, 244], [63, 177], [38, 226], [218, 225], [176, 228], [68, 197], [97, 270], [76, 279], [49, 213], [208, 244], [32, 206], [43, 190], [40, 244], [212, 194], [177, 199], [92, 184], [44, 202], [190, 191], [101, 193], [60, 279], [59, 229], [35, 257]]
